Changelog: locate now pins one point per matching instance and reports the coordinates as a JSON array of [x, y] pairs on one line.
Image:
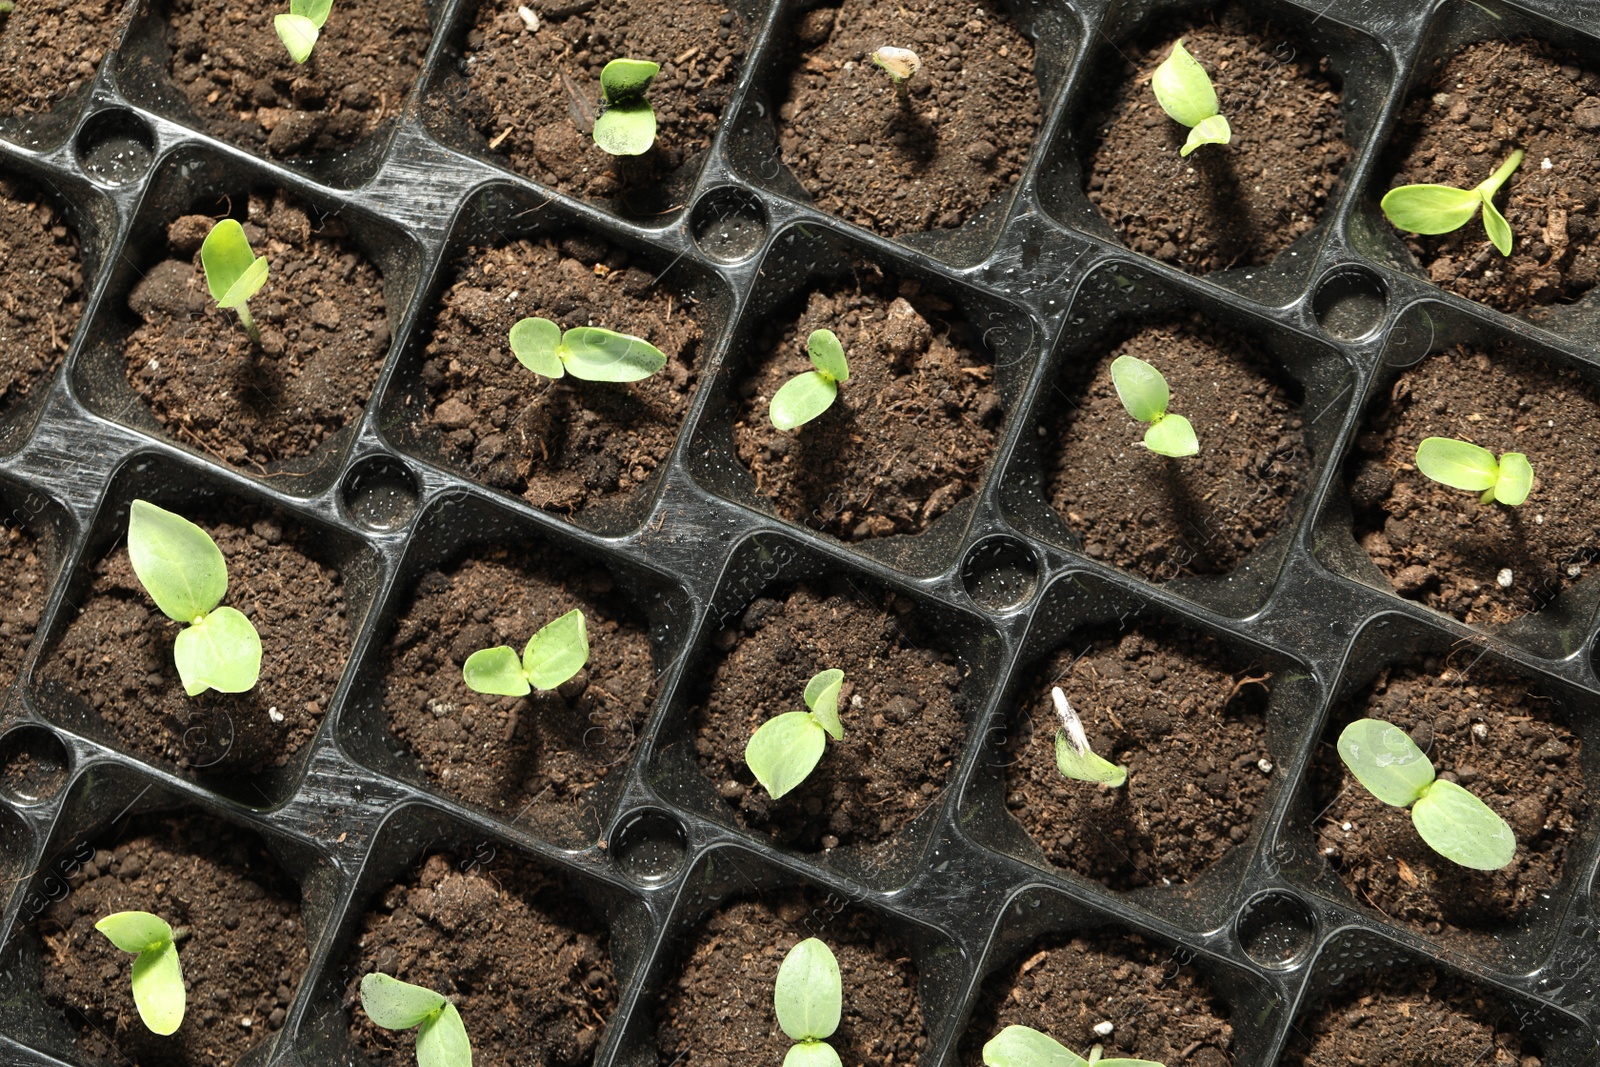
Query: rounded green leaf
[[248, 285], [497, 671], [1214, 130], [808, 994], [298, 34], [1457, 464], [221, 651], [822, 697], [442, 1040], [801, 399], [1171, 435], [1496, 226], [397, 1005], [1183, 89], [1085, 766], [1023, 1046], [177, 562], [316, 11], [1462, 828], [536, 344], [1430, 208], [1140, 387], [557, 652], [622, 79], [598, 355], [158, 989], [785, 749], [811, 1054], [626, 129], [827, 355], [225, 255], [135, 931], [1516, 479], [1386, 761]]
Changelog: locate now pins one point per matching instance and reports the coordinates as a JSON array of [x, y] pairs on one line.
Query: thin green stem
[[249, 323], [1489, 187]]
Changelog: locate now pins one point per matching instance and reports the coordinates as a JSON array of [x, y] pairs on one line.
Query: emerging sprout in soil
[[1453, 822], [184, 572], [1023, 1046], [298, 30], [808, 998], [1144, 393], [6, 8], [1466, 466], [1073, 757], [396, 1005], [786, 748], [233, 272], [627, 122], [805, 396], [553, 655], [901, 63], [1444, 208], [157, 978], [1184, 91], [587, 352]]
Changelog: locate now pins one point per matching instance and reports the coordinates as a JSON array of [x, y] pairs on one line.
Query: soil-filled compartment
[[27, 565], [50, 49]]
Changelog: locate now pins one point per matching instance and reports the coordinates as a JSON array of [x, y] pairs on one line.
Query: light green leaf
[[801, 399], [808, 994], [624, 79], [315, 10], [557, 652], [827, 355], [785, 749], [1430, 208], [1023, 1046], [497, 671], [222, 651], [177, 562], [1457, 464], [1086, 766], [1386, 761], [626, 129], [248, 285], [1171, 435], [442, 1040], [1124, 1062], [1462, 828], [135, 931], [1140, 387], [822, 697], [1496, 226], [158, 989], [226, 257], [598, 355], [811, 1054], [1214, 130], [298, 34], [536, 344], [397, 1005], [1183, 89], [1516, 479]]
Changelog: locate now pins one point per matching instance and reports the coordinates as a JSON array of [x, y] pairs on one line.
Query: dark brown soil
[[1492, 733], [49, 48], [901, 709], [561, 444], [240, 80], [1160, 1008], [1234, 205], [929, 157], [910, 433], [1438, 545], [323, 338], [532, 94], [24, 587], [116, 653], [1186, 720], [43, 296], [718, 1011], [1163, 517], [242, 960], [1483, 102], [528, 968], [535, 759]]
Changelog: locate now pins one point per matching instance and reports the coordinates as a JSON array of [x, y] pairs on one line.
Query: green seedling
[[901, 63], [1466, 466], [552, 656], [1434, 209], [805, 396], [184, 572], [6, 8], [786, 748], [1184, 91], [808, 997], [1073, 756], [1453, 822], [627, 122], [1144, 393], [233, 272], [586, 352], [396, 1005], [1023, 1046], [299, 29], [157, 978]]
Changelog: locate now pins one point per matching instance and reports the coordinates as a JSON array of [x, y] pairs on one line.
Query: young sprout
[[808, 998], [901, 63], [1466, 466], [805, 396], [1073, 756], [554, 654], [786, 748], [157, 978], [1144, 393], [1022, 1046], [1444, 208], [627, 122], [1184, 91], [298, 29], [6, 8], [1453, 822], [233, 272], [587, 352], [396, 1005], [184, 572]]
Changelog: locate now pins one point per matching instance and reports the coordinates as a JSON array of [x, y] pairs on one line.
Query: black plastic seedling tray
[[1000, 579]]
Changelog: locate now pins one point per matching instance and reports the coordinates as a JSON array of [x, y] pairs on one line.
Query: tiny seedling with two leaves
[[586, 352], [1023, 1046], [1432, 209], [786, 748], [299, 29], [1185, 93], [233, 272], [1461, 465], [627, 122], [157, 977], [1144, 393], [805, 396], [808, 997], [396, 1005], [1074, 758], [552, 656]]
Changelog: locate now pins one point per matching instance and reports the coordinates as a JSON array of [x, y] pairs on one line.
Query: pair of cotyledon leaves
[[157, 977], [808, 997], [786, 748], [396, 1005], [1462, 465], [1023, 1046], [299, 29], [234, 273], [552, 656], [586, 352], [805, 396], [1432, 209], [1144, 394], [627, 122], [1184, 91]]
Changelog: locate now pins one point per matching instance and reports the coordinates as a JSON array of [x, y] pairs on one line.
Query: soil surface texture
[[116, 654], [1234, 205], [929, 154], [901, 708], [242, 960], [24, 587], [1482, 103], [1439, 545], [528, 968], [1164, 517], [910, 433], [1489, 731], [532, 93], [1182, 716], [535, 759], [717, 1012], [43, 297], [1159, 1009], [241, 81], [562, 444], [50, 48], [323, 338]]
